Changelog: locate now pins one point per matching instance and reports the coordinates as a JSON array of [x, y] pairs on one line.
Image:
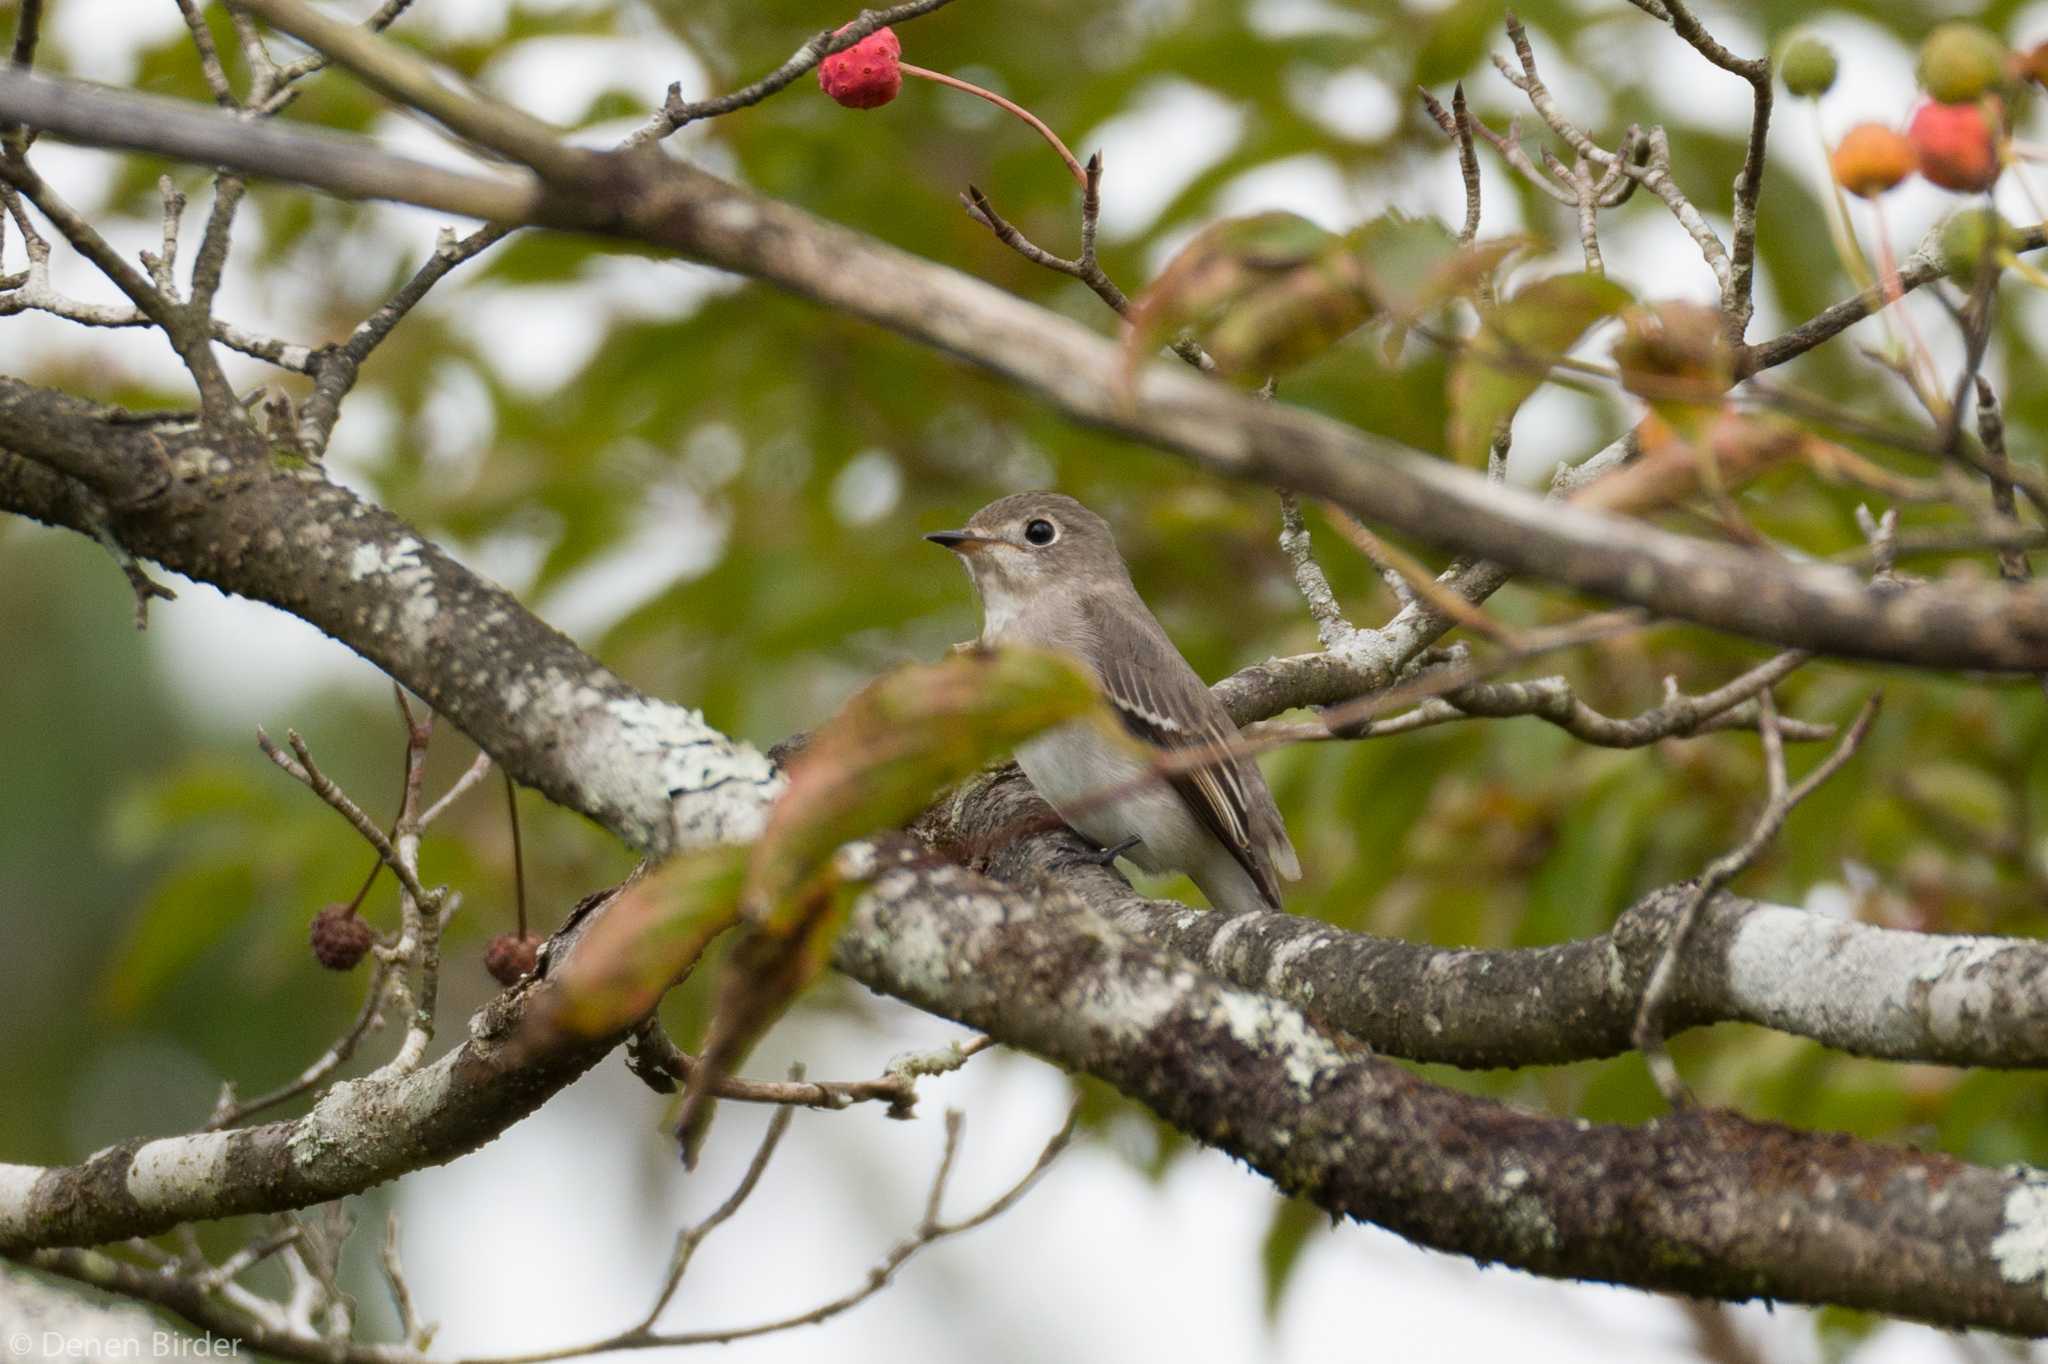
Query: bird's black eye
[[1041, 532]]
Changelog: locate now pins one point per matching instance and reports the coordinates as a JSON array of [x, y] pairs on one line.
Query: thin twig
[[1085, 267], [676, 112], [1737, 291], [1420, 582], [228, 1112], [656, 1059], [929, 1231], [417, 1336], [1335, 632], [189, 336], [688, 1239], [209, 55], [1778, 804], [474, 773], [305, 771], [336, 368]]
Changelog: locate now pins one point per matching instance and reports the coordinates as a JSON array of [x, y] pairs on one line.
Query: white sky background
[[558, 1231]]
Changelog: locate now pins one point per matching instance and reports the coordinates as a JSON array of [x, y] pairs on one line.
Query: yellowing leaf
[[1260, 293], [646, 941], [1675, 356], [899, 742], [1732, 448]]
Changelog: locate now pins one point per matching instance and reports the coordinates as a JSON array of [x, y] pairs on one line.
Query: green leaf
[[191, 909], [145, 815], [1415, 265], [1287, 1236], [1517, 343]]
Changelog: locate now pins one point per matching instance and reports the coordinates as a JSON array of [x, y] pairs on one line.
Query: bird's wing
[[1163, 703]]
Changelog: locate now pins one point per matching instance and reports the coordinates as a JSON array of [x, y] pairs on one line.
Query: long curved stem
[[1080, 176]]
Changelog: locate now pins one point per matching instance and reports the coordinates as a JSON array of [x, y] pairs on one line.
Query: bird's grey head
[[1020, 546]]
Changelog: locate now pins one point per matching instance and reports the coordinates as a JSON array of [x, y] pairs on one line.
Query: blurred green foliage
[[157, 867]]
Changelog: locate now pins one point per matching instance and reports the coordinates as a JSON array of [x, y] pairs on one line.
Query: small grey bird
[[1048, 574]]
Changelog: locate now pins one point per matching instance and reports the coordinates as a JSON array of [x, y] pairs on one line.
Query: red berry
[[866, 75], [1870, 159], [339, 938], [510, 958], [1957, 144]]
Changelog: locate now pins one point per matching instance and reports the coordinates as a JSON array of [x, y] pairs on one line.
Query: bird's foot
[[1105, 856]]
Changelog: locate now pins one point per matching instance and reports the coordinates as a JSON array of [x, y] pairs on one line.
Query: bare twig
[[305, 771], [189, 336], [474, 773], [210, 263], [1415, 576], [413, 81], [1509, 145], [229, 1111], [1730, 706], [417, 1336], [1778, 803], [676, 112], [691, 1237], [28, 27], [1456, 122], [2012, 559], [291, 73], [1335, 632], [140, 583], [209, 55], [1084, 267], [1653, 172], [336, 368], [247, 1258], [656, 1059], [931, 1229], [1737, 290]]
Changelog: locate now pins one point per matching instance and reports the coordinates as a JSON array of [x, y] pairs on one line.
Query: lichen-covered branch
[[1706, 1202], [219, 506], [1887, 993]]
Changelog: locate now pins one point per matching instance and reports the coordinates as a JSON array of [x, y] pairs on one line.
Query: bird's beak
[[959, 541]]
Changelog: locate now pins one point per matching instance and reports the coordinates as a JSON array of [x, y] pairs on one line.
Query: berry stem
[[368, 881], [518, 856], [1836, 210], [1920, 359], [1073, 166]]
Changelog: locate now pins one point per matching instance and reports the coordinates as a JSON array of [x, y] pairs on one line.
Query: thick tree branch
[[1769, 1211], [1828, 610], [1705, 1203], [358, 1135], [229, 513], [1954, 1000]]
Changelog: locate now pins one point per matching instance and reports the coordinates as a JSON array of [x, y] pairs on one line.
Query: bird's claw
[[1105, 856]]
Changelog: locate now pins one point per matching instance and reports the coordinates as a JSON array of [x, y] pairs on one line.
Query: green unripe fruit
[[1805, 63], [1960, 61], [1974, 240]]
